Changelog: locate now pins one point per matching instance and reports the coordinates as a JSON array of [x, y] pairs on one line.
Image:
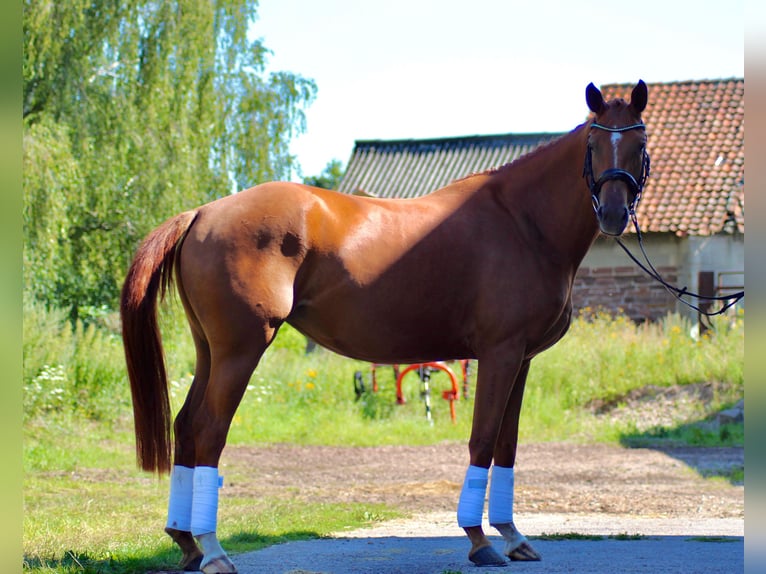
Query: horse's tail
[[148, 279]]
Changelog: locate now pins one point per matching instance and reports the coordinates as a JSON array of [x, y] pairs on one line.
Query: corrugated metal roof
[[415, 167]]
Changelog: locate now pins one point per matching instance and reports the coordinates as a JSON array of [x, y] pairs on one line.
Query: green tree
[[330, 176], [133, 111]]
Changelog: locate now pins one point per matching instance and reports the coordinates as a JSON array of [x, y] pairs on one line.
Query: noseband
[[636, 186]]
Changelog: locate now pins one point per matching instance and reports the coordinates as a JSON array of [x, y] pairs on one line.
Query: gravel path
[[550, 477], [683, 522], [433, 544]]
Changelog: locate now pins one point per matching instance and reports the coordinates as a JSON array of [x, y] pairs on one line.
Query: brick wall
[[627, 290]]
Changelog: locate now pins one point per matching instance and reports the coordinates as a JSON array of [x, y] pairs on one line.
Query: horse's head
[[616, 162]]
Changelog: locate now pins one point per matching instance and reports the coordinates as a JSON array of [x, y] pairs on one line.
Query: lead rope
[[727, 300]]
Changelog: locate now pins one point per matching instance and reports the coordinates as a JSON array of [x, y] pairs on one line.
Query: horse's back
[[349, 271], [371, 278]]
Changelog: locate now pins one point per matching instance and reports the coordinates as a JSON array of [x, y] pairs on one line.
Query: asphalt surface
[[432, 544]]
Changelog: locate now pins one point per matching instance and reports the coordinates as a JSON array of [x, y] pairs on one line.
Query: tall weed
[[604, 357], [309, 398], [71, 368]]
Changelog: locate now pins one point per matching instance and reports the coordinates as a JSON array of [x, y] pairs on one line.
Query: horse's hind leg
[[192, 555], [200, 430], [236, 300], [178, 525], [234, 354]]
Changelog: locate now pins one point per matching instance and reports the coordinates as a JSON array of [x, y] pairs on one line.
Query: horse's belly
[[383, 330]]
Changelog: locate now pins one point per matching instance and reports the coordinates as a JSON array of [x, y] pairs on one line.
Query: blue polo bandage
[[180, 503], [471, 504], [501, 495], [204, 515]]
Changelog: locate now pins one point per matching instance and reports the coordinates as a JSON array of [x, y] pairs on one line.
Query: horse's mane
[[521, 160]]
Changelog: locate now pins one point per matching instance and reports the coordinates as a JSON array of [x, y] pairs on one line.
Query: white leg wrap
[[471, 504], [204, 511], [501, 495], [501, 508], [180, 503]]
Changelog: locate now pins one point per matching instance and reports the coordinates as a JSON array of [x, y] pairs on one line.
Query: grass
[[84, 499], [714, 539], [589, 537], [309, 399], [90, 525], [689, 434], [735, 476], [568, 536], [108, 518]]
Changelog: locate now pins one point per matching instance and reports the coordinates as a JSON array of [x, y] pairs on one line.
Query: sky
[[399, 69]]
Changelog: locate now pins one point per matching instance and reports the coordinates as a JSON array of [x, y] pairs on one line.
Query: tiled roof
[[696, 132], [411, 168], [696, 139]]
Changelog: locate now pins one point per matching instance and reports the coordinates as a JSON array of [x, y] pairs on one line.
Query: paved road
[[432, 544]]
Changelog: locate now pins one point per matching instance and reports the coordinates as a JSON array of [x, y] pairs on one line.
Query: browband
[[622, 129]]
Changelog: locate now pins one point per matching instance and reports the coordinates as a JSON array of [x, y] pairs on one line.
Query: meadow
[[84, 497]]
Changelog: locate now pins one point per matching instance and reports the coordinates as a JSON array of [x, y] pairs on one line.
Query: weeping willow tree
[[134, 110]]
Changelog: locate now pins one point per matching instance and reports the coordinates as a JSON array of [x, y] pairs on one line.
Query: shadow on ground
[[447, 554], [162, 562], [688, 442]]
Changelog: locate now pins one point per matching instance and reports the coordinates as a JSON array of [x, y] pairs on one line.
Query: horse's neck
[[546, 190]]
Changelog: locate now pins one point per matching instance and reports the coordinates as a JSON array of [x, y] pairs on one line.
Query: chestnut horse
[[332, 264]]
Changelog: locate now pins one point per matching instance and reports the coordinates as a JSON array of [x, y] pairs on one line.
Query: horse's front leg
[[497, 372], [517, 546]]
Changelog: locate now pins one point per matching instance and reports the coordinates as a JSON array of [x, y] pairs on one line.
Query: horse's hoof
[[220, 565], [192, 563], [523, 553], [486, 556]]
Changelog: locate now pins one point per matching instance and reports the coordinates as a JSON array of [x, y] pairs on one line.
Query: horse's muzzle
[[612, 221], [610, 196]]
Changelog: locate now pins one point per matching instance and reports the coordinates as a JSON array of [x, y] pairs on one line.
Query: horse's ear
[[594, 98], [639, 96]]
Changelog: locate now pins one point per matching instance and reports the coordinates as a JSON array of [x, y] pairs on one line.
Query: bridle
[[636, 186]]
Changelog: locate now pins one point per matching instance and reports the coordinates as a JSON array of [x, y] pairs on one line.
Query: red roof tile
[[696, 139]]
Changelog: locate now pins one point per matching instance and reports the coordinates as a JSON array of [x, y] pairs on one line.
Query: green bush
[[71, 368]]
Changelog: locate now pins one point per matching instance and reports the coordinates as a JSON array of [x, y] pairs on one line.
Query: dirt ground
[[661, 496], [550, 478]]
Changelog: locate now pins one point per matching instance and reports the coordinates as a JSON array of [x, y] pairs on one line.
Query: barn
[[691, 214]]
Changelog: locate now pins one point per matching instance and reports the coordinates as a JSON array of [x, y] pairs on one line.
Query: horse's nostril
[[612, 221]]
